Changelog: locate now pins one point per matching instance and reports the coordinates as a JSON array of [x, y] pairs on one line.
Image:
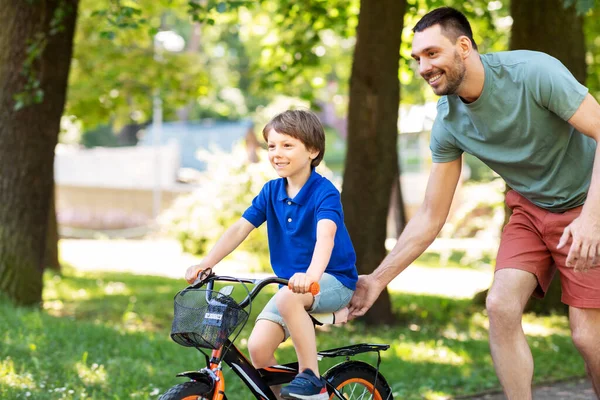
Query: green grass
[[105, 336]]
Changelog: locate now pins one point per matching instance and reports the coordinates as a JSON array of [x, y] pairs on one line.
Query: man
[[526, 117]]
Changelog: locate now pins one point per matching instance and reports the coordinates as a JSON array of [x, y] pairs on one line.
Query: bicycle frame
[[259, 381]]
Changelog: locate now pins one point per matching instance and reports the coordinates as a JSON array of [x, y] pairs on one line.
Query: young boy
[[308, 243]]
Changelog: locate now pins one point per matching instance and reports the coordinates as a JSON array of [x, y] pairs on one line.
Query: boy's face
[[288, 155]]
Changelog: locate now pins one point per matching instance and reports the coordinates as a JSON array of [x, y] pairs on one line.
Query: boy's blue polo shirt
[[292, 227]]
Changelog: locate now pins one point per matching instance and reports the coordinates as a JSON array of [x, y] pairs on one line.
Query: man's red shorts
[[529, 243]]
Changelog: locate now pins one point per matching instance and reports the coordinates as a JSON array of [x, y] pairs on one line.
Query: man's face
[[439, 62]]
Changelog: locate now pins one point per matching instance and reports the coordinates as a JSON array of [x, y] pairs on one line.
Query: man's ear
[[465, 46]]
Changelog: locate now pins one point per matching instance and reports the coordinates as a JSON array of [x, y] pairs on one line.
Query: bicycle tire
[[354, 379], [187, 391]]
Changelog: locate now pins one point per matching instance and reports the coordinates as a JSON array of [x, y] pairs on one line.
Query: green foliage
[[582, 6], [592, 34], [95, 326], [116, 68], [102, 136]]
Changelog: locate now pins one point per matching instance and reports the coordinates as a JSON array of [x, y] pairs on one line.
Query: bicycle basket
[[205, 318]]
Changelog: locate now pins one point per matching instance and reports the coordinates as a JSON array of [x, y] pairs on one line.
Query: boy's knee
[[285, 300], [259, 351]]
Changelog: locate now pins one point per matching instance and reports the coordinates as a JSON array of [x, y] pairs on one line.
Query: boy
[[308, 243]]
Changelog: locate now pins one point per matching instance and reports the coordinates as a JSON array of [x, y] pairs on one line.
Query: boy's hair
[[453, 24], [303, 125]]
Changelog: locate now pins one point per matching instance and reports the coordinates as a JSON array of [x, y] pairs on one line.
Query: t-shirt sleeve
[[256, 214], [330, 207], [554, 87], [443, 148]]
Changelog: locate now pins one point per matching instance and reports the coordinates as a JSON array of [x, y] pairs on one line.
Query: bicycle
[[223, 317]]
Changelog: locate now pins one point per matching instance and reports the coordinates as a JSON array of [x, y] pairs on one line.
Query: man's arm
[[418, 234], [585, 230]]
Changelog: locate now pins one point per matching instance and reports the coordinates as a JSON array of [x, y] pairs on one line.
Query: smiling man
[[526, 116]]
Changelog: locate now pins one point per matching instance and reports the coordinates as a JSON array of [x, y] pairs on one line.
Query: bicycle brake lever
[[202, 277]]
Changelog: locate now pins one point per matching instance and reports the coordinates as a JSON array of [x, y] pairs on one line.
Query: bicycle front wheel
[[356, 380], [187, 391]]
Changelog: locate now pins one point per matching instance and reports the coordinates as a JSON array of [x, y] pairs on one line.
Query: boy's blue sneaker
[[306, 386]]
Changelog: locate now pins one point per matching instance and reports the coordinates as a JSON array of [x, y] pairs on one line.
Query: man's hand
[[300, 282], [585, 247], [367, 291]]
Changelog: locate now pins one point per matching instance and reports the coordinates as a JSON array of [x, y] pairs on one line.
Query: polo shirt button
[[289, 220], [289, 203]]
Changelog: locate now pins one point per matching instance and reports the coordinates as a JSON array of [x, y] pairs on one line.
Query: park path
[[579, 389], [165, 258]]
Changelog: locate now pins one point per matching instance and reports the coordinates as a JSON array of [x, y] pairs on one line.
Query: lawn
[[106, 336]]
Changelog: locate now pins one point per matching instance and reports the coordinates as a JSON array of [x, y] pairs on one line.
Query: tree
[[558, 31], [36, 45], [372, 131]]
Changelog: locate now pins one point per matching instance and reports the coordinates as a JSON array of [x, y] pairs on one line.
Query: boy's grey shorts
[[332, 297]]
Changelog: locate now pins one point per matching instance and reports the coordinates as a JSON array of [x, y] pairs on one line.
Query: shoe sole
[[320, 396]]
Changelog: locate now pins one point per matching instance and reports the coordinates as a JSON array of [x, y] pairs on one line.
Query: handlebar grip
[[313, 289]]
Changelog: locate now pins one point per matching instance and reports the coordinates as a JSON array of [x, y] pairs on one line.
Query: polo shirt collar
[[304, 193]]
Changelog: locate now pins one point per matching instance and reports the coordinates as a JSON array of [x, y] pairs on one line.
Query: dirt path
[[580, 389]]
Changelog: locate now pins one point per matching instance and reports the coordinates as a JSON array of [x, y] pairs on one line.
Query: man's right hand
[[192, 272], [367, 291]]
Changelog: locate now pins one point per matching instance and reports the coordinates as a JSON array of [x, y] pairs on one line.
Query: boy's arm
[[228, 242], [326, 230]]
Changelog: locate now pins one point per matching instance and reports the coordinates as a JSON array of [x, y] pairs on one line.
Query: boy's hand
[[300, 282], [192, 272]]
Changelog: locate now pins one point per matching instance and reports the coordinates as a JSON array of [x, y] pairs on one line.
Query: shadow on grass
[[106, 336]]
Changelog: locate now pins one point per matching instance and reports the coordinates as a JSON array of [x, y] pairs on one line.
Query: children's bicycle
[[205, 319]]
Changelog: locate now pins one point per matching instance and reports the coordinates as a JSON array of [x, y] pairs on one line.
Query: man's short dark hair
[[452, 22]]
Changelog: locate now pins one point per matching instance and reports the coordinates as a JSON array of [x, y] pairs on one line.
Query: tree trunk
[[545, 25], [27, 139], [371, 160], [51, 255]]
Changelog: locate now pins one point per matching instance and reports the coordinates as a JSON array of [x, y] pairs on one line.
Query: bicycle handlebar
[[210, 279]]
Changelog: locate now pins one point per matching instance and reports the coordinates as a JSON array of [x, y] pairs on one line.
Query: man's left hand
[[585, 247]]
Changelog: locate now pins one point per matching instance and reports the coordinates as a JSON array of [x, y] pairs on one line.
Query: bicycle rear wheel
[[187, 391], [355, 380]]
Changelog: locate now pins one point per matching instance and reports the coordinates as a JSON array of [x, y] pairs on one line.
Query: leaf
[[110, 35]]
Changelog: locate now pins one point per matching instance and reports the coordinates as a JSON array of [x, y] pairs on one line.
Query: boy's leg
[[266, 336], [292, 307], [264, 340]]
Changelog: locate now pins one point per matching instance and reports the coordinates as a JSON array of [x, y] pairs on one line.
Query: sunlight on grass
[[10, 377], [430, 351], [91, 375]]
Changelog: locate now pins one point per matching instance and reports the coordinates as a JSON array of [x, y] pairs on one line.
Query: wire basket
[[205, 318]]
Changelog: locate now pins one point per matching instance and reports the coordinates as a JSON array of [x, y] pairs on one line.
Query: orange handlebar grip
[[313, 289]]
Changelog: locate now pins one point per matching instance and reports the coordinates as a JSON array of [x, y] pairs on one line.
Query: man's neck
[[472, 86]]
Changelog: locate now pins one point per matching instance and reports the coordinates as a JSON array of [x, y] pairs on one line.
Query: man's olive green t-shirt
[[518, 127]]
